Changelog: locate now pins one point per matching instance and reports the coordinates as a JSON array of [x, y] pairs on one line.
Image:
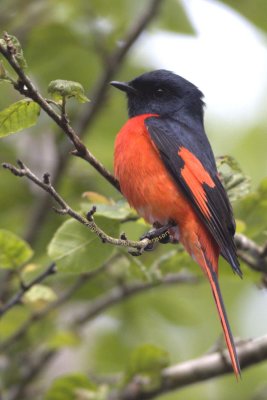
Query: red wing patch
[[195, 175]]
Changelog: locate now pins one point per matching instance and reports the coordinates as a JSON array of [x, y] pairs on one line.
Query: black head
[[161, 92]]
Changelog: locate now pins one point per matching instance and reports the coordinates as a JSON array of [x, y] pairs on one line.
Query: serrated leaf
[[119, 210], [147, 361], [76, 249], [61, 88], [14, 252], [236, 183], [39, 296], [65, 388], [63, 339], [20, 115]]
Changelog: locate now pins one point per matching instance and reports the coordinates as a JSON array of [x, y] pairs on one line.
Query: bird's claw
[[158, 234]]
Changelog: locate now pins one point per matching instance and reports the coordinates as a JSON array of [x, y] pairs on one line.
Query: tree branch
[[65, 209], [251, 253], [26, 87], [65, 296], [209, 366], [103, 303], [16, 299], [86, 118], [124, 291], [97, 306], [114, 62]]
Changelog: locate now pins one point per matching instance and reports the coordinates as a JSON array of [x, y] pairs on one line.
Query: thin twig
[[251, 253], [123, 292], [26, 87], [16, 299], [31, 372], [62, 299], [86, 118], [248, 251], [103, 303], [65, 209]]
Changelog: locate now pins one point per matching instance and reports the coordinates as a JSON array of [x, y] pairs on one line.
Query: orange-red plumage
[[167, 172], [195, 176], [150, 189]]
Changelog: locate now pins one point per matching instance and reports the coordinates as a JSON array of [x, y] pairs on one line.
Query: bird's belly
[[144, 180]]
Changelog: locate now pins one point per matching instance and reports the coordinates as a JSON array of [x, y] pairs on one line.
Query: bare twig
[[26, 87], [248, 251], [114, 62], [16, 299], [38, 316], [65, 209], [123, 292], [114, 296], [31, 372], [209, 366], [251, 253], [111, 66], [103, 303]]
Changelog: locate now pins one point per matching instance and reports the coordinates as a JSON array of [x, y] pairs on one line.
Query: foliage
[[14, 252], [60, 89], [75, 249], [73, 41], [20, 115]]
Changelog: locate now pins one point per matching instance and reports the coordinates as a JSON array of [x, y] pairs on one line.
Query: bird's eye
[[159, 92]]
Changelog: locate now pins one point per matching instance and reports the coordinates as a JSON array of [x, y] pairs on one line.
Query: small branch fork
[[65, 209], [51, 269], [248, 251], [26, 87]]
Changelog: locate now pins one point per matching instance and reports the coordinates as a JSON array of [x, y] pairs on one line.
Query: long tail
[[206, 253], [213, 280]]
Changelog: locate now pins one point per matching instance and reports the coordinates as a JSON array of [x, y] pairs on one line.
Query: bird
[[167, 171]]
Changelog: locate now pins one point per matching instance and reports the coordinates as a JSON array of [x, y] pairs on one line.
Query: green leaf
[[147, 361], [39, 296], [255, 11], [63, 339], [18, 116], [14, 252], [76, 249], [61, 88], [3, 73], [236, 183], [119, 210], [68, 387]]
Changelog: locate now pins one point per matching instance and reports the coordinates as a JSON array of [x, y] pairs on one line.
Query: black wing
[[185, 149]]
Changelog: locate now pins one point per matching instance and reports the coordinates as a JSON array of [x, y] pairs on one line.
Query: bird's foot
[[159, 233]]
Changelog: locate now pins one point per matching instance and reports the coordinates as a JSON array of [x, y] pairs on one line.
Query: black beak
[[124, 87]]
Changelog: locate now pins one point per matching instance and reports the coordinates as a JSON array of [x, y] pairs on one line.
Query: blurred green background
[[64, 39]]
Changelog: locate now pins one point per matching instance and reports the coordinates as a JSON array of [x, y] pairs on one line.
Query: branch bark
[[16, 299], [209, 366], [85, 119], [251, 253]]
